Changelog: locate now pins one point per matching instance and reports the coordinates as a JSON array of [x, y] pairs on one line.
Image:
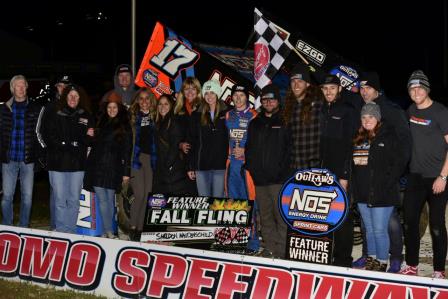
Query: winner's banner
[[207, 222], [313, 205]]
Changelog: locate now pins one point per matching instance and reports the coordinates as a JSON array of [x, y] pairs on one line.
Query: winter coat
[[110, 157], [171, 167], [337, 130], [32, 147], [66, 139], [209, 143], [386, 162], [267, 149]]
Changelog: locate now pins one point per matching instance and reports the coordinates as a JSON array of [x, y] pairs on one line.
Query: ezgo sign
[[313, 204]]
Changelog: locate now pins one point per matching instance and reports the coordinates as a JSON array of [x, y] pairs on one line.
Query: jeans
[[10, 171], [395, 237], [210, 182], [376, 221], [106, 199], [67, 191], [52, 208]]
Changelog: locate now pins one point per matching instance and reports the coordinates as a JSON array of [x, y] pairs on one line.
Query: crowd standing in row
[[197, 144]]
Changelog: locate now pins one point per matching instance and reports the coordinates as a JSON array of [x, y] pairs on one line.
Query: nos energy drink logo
[[313, 203]]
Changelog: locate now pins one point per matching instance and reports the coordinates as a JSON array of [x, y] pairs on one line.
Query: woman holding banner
[[378, 161]]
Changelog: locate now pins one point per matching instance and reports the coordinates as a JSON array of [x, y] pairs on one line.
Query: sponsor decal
[[348, 77], [420, 121], [311, 52], [262, 57], [312, 202], [87, 214], [156, 201], [151, 77]]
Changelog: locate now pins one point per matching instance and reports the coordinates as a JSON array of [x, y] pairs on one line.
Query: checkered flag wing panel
[[271, 50], [222, 236]]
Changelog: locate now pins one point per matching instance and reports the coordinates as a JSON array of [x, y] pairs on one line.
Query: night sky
[[393, 39]]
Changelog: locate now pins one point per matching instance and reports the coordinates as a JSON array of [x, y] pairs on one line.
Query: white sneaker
[[110, 235], [438, 274]]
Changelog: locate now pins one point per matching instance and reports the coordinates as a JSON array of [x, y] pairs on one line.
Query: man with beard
[[337, 130], [267, 150], [302, 109]]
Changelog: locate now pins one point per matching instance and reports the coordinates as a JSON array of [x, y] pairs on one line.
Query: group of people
[[195, 143]]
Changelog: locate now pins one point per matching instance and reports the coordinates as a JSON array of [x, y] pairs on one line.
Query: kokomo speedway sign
[[115, 268]]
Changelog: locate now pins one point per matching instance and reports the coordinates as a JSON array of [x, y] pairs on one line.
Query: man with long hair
[[302, 107]]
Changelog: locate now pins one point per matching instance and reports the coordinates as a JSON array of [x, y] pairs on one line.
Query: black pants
[[343, 243], [419, 190]]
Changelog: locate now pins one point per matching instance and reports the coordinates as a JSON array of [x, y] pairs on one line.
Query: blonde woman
[[142, 113], [188, 101]]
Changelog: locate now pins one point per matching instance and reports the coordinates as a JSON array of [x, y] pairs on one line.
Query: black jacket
[[387, 161], [392, 115], [110, 157], [66, 138], [267, 149], [171, 168], [32, 147], [337, 130], [209, 143]]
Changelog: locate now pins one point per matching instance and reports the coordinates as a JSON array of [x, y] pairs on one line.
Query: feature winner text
[[309, 250], [199, 217]]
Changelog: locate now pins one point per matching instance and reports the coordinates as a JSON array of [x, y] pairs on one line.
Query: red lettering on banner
[[132, 279], [43, 265], [389, 290], [10, 245], [82, 267], [230, 283], [440, 294], [330, 287], [419, 293], [284, 283], [357, 289], [304, 285], [168, 271], [196, 278]]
